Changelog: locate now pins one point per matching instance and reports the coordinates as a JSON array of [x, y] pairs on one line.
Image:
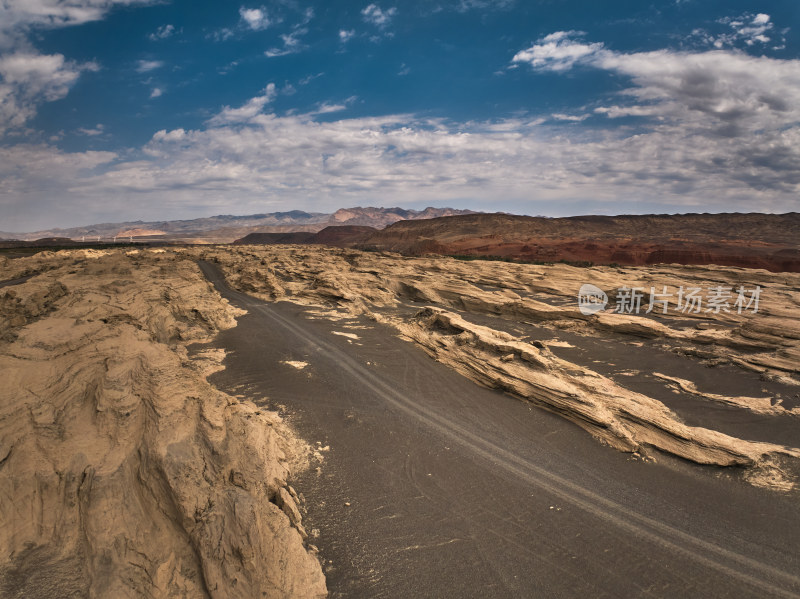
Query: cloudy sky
[[117, 110]]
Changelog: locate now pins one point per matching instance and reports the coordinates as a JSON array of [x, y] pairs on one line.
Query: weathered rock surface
[[123, 473], [393, 289], [615, 415]]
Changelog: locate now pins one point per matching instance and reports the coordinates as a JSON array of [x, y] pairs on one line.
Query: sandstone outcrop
[[123, 473]]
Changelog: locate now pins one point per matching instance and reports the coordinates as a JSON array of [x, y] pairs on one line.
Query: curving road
[[436, 487]]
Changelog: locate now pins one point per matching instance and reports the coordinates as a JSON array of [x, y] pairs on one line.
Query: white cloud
[[250, 159], [326, 108], [245, 113], [556, 52], [145, 66], [377, 16], [719, 132], [50, 75], [28, 79], [574, 118], [714, 130], [761, 19], [467, 5], [17, 17], [309, 78], [157, 92], [615, 112], [750, 29], [291, 44], [726, 91], [221, 35], [718, 113], [255, 18], [98, 130], [345, 35], [162, 33], [174, 135], [745, 31], [36, 181]]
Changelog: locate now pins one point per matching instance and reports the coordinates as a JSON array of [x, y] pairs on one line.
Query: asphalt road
[[436, 487]]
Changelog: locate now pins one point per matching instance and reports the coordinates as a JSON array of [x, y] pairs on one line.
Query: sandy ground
[[428, 485], [438, 304], [664, 460], [123, 473]]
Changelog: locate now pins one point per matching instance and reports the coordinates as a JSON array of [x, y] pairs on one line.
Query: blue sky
[[131, 109]]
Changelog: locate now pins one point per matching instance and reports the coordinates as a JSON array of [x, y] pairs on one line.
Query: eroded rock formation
[[123, 473], [431, 302]]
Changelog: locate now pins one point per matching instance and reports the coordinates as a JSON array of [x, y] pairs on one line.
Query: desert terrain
[[295, 420], [749, 240], [123, 472], [445, 305], [768, 241]]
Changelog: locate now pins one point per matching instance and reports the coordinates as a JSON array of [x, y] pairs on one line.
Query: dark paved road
[[460, 491]]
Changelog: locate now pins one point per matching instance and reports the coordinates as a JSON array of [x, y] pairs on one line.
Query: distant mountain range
[[755, 240], [226, 228]]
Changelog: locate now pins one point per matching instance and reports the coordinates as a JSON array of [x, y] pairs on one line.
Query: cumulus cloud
[[377, 16], [712, 130], [396, 156], [558, 51], [255, 18], [748, 31], [156, 92], [718, 130], [28, 79], [251, 157], [729, 92], [721, 113], [751, 29], [346, 34]]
